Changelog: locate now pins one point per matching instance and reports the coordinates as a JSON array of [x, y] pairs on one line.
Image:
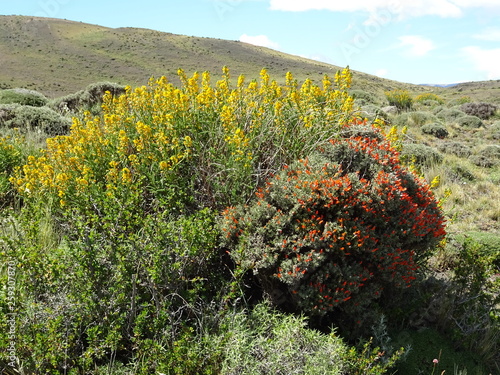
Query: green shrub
[[89, 99], [420, 154], [482, 110], [363, 97], [330, 232], [456, 148], [470, 122], [372, 112], [401, 99], [23, 97], [459, 101], [42, 119], [488, 156], [449, 115], [436, 129], [418, 118]]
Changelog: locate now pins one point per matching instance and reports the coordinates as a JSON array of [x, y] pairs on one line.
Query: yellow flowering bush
[[168, 147]]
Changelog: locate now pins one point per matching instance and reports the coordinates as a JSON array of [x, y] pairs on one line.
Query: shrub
[[23, 97], [435, 129], [470, 121], [420, 154], [330, 232], [449, 115], [401, 99], [487, 157], [87, 99], [161, 147], [482, 110], [418, 118], [372, 112], [456, 148], [426, 97], [459, 101], [42, 119], [363, 97]]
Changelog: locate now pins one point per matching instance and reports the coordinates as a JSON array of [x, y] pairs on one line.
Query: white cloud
[[491, 34], [418, 46], [485, 60], [259, 40], [399, 8]]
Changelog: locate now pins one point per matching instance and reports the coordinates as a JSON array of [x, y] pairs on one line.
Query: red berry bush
[[333, 230]]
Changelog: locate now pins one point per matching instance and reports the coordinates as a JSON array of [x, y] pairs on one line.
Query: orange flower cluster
[[339, 226]]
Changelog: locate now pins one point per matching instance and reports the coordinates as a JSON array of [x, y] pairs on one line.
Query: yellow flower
[[163, 165]]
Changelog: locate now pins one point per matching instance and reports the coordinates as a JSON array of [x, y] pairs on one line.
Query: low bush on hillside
[[363, 97], [488, 156], [420, 155], [88, 99], [449, 114], [459, 149], [467, 121], [42, 119], [435, 129], [23, 97], [418, 118], [429, 99], [482, 110]]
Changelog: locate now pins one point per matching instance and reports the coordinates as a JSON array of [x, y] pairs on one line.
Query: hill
[[59, 57]]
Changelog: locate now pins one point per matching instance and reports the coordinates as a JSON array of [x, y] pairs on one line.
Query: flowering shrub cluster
[[334, 229], [401, 99], [160, 146]]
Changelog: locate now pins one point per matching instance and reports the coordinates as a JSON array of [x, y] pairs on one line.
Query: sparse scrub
[[482, 110], [417, 119], [435, 129]]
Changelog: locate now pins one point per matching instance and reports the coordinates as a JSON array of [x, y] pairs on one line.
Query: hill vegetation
[[204, 224]]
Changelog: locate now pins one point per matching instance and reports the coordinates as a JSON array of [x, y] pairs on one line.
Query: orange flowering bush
[[333, 230]]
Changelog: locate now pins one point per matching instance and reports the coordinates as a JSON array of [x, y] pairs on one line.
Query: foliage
[[23, 97], [487, 157], [87, 99], [482, 110], [160, 147], [470, 122], [436, 129], [268, 342], [449, 114], [420, 154], [332, 231], [27, 117], [428, 96], [456, 148], [363, 97], [417, 118], [401, 99]]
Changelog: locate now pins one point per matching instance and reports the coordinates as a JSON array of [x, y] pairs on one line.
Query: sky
[[413, 41]]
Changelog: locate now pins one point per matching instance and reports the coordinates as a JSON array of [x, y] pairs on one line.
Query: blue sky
[[415, 41]]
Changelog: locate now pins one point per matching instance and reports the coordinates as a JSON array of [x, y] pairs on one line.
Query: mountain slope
[[58, 57]]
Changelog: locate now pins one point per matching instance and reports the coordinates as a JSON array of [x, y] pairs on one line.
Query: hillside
[[59, 57]]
